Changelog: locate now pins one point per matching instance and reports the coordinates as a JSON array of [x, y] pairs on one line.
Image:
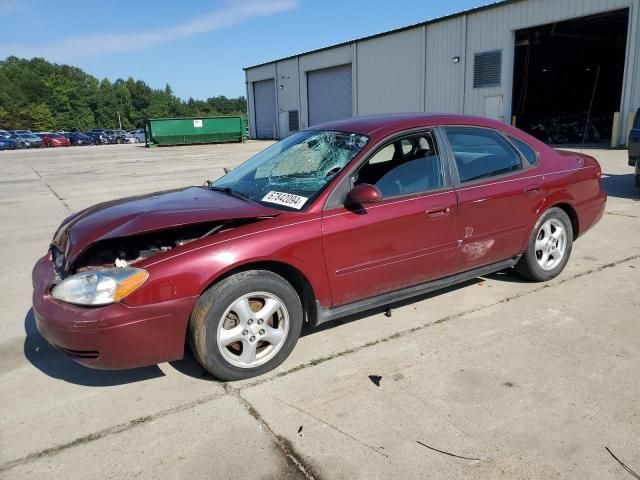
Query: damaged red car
[[337, 219]]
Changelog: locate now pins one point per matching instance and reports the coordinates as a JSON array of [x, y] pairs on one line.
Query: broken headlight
[[100, 287]]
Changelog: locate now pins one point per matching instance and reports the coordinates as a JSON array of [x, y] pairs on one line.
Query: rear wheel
[[245, 325], [549, 247]]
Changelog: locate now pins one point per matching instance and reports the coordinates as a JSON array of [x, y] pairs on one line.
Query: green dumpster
[[189, 130]]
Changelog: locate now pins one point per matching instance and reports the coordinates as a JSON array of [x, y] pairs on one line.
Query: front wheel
[[549, 247], [245, 325]]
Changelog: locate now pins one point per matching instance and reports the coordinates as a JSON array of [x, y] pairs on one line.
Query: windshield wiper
[[231, 192]]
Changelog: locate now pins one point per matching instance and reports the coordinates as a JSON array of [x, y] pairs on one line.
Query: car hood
[[149, 213]]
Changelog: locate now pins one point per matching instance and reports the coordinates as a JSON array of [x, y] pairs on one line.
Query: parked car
[[114, 136], [99, 137], [123, 137], [334, 220], [634, 147], [18, 132], [54, 140], [27, 140], [106, 136], [139, 135], [20, 142], [6, 142], [79, 138]]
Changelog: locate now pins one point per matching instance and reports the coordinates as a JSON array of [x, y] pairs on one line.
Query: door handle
[[438, 212], [532, 190]]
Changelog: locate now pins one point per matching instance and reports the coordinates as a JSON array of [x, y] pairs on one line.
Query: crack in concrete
[[333, 427], [283, 444], [618, 214], [116, 429], [55, 194]]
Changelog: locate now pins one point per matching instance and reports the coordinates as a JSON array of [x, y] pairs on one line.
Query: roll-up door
[[264, 101], [329, 94]]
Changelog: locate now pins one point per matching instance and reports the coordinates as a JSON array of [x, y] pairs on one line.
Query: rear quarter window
[[527, 151]]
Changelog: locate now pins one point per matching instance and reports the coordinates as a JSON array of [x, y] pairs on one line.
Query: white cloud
[[233, 13]]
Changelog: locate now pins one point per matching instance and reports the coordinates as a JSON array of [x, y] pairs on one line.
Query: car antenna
[[593, 96]]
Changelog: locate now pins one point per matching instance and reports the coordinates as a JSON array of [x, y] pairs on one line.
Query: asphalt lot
[[522, 380]]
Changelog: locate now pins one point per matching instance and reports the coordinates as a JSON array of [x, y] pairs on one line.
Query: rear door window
[[481, 153]]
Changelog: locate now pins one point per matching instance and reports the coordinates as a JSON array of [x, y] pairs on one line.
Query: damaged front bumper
[[115, 336]]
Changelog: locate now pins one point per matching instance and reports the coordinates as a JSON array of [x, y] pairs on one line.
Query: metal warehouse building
[[532, 62]]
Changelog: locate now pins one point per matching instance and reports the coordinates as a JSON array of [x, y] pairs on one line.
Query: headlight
[[100, 287]]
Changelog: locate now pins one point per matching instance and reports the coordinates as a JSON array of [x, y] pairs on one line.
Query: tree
[[4, 119], [41, 117], [41, 95]]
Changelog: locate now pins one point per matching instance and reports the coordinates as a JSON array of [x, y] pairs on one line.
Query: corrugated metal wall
[[444, 86], [391, 73], [288, 93], [414, 70]]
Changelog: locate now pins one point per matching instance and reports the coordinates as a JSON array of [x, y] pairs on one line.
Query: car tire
[[549, 247], [262, 316]]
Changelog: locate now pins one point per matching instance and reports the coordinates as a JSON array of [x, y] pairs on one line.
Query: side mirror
[[364, 193]]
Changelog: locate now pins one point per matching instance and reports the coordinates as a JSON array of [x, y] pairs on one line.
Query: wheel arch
[[291, 274], [572, 214], [565, 202]]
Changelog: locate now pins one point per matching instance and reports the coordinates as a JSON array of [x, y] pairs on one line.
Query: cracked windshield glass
[[292, 172]]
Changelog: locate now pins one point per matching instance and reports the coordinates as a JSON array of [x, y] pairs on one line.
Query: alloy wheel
[[551, 244], [253, 329]]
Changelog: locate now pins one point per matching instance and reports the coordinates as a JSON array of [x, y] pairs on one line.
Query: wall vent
[[294, 121], [487, 69]]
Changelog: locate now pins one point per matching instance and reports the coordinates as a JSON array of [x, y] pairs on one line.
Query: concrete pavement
[[522, 380]]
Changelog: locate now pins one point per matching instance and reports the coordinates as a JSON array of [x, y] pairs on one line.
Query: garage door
[[329, 94], [264, 102]]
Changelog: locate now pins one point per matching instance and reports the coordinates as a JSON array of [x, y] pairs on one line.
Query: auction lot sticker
[[286, 199]]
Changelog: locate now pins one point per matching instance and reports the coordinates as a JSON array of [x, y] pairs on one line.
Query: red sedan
[[54, 140], [337, 219]]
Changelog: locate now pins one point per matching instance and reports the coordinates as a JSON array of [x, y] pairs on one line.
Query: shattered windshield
[[293, 171]]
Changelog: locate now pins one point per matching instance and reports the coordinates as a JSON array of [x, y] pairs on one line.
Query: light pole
[[119, 121]]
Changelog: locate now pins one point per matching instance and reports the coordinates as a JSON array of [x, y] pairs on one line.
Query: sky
[[199, 47]]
